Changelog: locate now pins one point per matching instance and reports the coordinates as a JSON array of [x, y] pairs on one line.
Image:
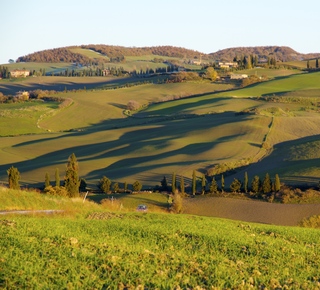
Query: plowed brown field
[[250, 210]]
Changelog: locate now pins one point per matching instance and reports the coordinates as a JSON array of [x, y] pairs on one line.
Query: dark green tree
[[194, 182], [57, 177], [277, 183], [137, 186], [13, 178], [46, 180], [182, 185], [317, 63], [245, 182], [308, 64], [255, 184], [83, 185], [248, 64], [71, 180], [213, 186], [115, 187], [125, 187], [164, 184], [173, 182], [104, 184], [266, 184], [235, 185]]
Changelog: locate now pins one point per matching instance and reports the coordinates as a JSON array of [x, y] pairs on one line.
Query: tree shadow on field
[[44, 83], [140, 150], [120, 106], [280, 162]]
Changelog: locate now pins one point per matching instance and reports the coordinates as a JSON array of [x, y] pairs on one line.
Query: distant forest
[[114, 53], [280, 53], [110, 53]]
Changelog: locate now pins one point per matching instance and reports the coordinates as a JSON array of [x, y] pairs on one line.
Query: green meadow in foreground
[[106, 250], [87, 246]]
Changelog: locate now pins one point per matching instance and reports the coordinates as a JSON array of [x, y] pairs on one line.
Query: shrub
[[136, 186], [177, 202], [56, 190], [311, 222], [133, 105]]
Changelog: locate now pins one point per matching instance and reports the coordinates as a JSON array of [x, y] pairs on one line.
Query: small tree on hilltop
[[266, 184], [255, 184], [133, 105], [137, 186], [277, 184], [211, 74], [13, 178], [104, 184], [115, 187], [213, 186], [72, 181], [235, 185]]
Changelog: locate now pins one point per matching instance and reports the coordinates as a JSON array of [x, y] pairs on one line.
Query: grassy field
[[143, 251], [183, 127]]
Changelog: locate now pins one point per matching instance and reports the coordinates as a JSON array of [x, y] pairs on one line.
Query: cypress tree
[[245, 182], [235, 185], [182, 185], [222, 183], [194, 182], [72, 181], [255, 184], [317, 63], [277, 183], [13, 177], [213, 186], [46, 180], [164, 184], [266, 184], [173, 182]]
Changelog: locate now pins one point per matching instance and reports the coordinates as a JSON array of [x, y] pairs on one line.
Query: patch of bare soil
[[250, 210]]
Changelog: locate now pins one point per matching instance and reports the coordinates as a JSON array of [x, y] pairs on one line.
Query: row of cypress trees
[[255, 187]]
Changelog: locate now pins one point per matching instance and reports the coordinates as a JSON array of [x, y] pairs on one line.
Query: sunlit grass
[[155, 251]]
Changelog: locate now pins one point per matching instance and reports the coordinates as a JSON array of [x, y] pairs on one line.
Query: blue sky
[[206, 26]]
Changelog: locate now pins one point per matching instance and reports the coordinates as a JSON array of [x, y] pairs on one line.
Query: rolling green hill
[[181, 127]]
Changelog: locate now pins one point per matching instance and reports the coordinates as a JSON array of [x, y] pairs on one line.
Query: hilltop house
[[226, 65], [238, 76], [19, 73]]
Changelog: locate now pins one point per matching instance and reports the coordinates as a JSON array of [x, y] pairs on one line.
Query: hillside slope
[[281, 53], [115, 53]]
